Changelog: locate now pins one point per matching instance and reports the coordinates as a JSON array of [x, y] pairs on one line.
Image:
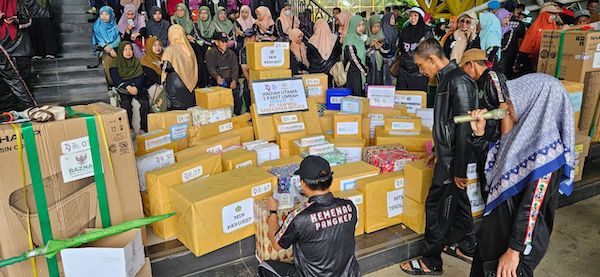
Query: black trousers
[[144, 101], [277, 269], [507, 224], [448, 219]]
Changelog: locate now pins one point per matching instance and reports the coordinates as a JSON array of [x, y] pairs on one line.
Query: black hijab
[[414, 33], [158, 29]]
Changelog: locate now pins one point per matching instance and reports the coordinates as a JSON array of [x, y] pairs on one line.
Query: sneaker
[[92, 10], [35, 58], [50, 57]]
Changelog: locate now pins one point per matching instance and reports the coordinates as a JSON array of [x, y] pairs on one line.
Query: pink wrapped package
[[394, 160]]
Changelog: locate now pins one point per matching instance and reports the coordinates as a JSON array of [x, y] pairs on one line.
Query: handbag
[[340, 73]]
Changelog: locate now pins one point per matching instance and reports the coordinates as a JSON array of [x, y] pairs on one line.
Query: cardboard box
[[347, 126], [120, 255], [326, 124], [264, 128], [334, 96], [257, 75], [301, 145], [575, 90], [152, 161], [403, 125], [238, 158], [146, 270], [159, 181], [355, 105], [316, 86], [202, 116], [382, 113], [213, 145], [591, 96], [289, 122], [582, 146], [312, 116], [418, 178], [284, 153], [413, 215], [331, 155], [351, 147], [372, 150], [413, 100], [267, 152], [216, 211], [268, 55], [579, 54], [284, 140], [345, 175], [579, 169], [252, 144], [414, 143], [357, 198], [177, 122], [214, 97], [383, 200], [217, 128], [154, 141], [72, 205], [145, 203], [294, 159]]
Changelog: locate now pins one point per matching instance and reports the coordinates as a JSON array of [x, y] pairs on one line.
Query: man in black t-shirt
[[320, 230]]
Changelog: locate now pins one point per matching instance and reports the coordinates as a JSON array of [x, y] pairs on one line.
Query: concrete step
[[82, 27], [76, 37], [55, 64], [81, 46], [69, 74], [69, 2], [74, 18], [79, 8], [71, 94]]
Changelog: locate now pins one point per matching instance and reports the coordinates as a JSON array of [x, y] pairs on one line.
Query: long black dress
[[356, 71], [42, 31], [375, 75], [409, 77], [320, 65], [178, 95]]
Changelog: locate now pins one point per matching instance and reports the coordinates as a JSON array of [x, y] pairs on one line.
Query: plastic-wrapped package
[[288, 191], [201, 116], [393, 160], [336, 157], [371, 150]]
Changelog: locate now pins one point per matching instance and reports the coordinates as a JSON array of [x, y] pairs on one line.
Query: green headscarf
[[218, 25], [204, 26], [376, 37], [185, 21], [353, 38], [127, 68]]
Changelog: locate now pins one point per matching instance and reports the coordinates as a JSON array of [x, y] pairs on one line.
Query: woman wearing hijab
[[157, 26], [452, 25], [181, 70], [172, 7], [131, 26], [510, 42], [529, 50], [106, 36], [409, 77], [286, 22], [243, 23], [343, 19], [182, 17], [491, 38], [355, 56], [298, 60], [390, 33], [128, 75], [464, 38], [264, 27], [151, 61], [214, 5], [42, 33], [376, 48], [222, 24], [324, 49], [526, 169], [201, 42]]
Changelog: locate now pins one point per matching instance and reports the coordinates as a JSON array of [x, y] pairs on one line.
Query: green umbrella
[[55, 246]]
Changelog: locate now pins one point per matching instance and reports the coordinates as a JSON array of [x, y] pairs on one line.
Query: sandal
[[454, 252], [416, 269]]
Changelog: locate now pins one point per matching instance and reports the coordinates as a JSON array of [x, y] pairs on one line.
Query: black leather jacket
[[456, 95]]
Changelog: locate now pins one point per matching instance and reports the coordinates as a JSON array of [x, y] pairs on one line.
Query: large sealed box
[[580, 54], [589, 106], [418, 180], [159, 181], [238, 158], [212, 145], [218, 210], [345, 175], [64, 161], [315, 86], [268, 55], [347, 126], [214, 97], [413, 143], [289, 122], [264, 125], [154, 141], [177, 122], [217, 128], [357, 198], [153, 161], [413, 100], [383, 198], [294, 159], [413, 215], [403, 125], [202, 116], [355, 105], [284, 140], [257, 75]]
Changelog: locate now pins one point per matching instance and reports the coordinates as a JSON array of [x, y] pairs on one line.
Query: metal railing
[[317, 11]]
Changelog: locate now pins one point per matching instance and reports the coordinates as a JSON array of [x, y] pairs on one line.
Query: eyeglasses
[[466, 21]]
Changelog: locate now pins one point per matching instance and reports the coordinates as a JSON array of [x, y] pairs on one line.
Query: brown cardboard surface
[[411, 98], [575, 90], [578, 55], [418, 180], [153, 141], [591, 96], [315, 86], [218, 128], [201, 146], [339, 129], [413, 216], [293, 159], [284, 122], [414, 143], [326, 124], [579, 169], [403, 124], [202, 204], [72, 206], [159, 181], [582, 146], [357, 197], [256, 75], [214, 97], [398, 110], [361, 105], [238, 158], [258, 55], [169, 121], [263, 125], [377, 206], [345, 175], [311, 117], [284, 140]]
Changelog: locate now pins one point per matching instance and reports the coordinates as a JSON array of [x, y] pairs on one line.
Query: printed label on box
[[244, 164], [261, 189], [305, 142], [191, 174], [317, 81], [376, 116], [292, 127], [75, 145], [381, 96], [399, 164], [472, 171], [76, 166], [350, 106], [158, 141], [314, 91], [283, 45], [215, 149], [403, 125], [357, 199], [474, 193], [347, 128], [272, 56], [225, 127], [336, 99], [320, 149], [182, 118], [353, 154], [347, 184], [395, 202], [399, 183], [238, 215], [179, 131], [596, 62], [412, 102], [289, 118]]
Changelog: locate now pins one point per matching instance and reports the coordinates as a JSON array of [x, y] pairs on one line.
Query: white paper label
[[598, 47], [350, 106], [381, 96], [272, 56], [474, 194], [403, 125], [596, 62], [244, 164], [75, 145], [191, 174], [238, 215], [317, 81], [314, 91], [336, 99], [320, 149], [357, 199], [353, 154], [289, 118], [349, 184], [305, 142], [395, 202], [292, 127], [284, 45], [399, 164], [399, 183], [225, 127], [412, 102], [182, 118], [376, 116], [179, 131], [76, 166], [426, 116], [472, 171], [347, 128], [157, 142], [215, 149], [261, 189]]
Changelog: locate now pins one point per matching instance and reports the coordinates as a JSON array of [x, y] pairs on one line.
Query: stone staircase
[[66, 79]]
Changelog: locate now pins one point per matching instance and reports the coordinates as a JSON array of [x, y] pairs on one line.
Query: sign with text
[[278, 96], [381, 96]]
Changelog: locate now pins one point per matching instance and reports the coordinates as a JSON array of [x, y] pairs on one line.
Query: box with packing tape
[[217, 128], [218, 210], [347, 126], [413, 215], [345, 175], [238, 158], [176, 122], [393, 160], [152, 161], [202, 116], [211, 145], [154, 141], [413, 100], [418, 180], [284, 140], [413, 143], [402, 125], [61, 158], [294, 159], [289, 122], [214, 97], [301, 145], [315, 86], [257, 75], [268, 55], [161, 180], [383, 200], [357, 198], [355, 105]]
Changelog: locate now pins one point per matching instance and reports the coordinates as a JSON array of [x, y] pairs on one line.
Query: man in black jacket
[[222, 65], [448, 209]]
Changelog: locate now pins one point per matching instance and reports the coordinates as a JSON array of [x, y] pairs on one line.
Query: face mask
[[288, 12], [364, 37], [215, 2]]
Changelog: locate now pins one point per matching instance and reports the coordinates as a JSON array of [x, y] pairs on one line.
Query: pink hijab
[[297, 46], [138, 21], [288, 22], [344, 18], [323, 39], [248, 22], [264, 19]]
